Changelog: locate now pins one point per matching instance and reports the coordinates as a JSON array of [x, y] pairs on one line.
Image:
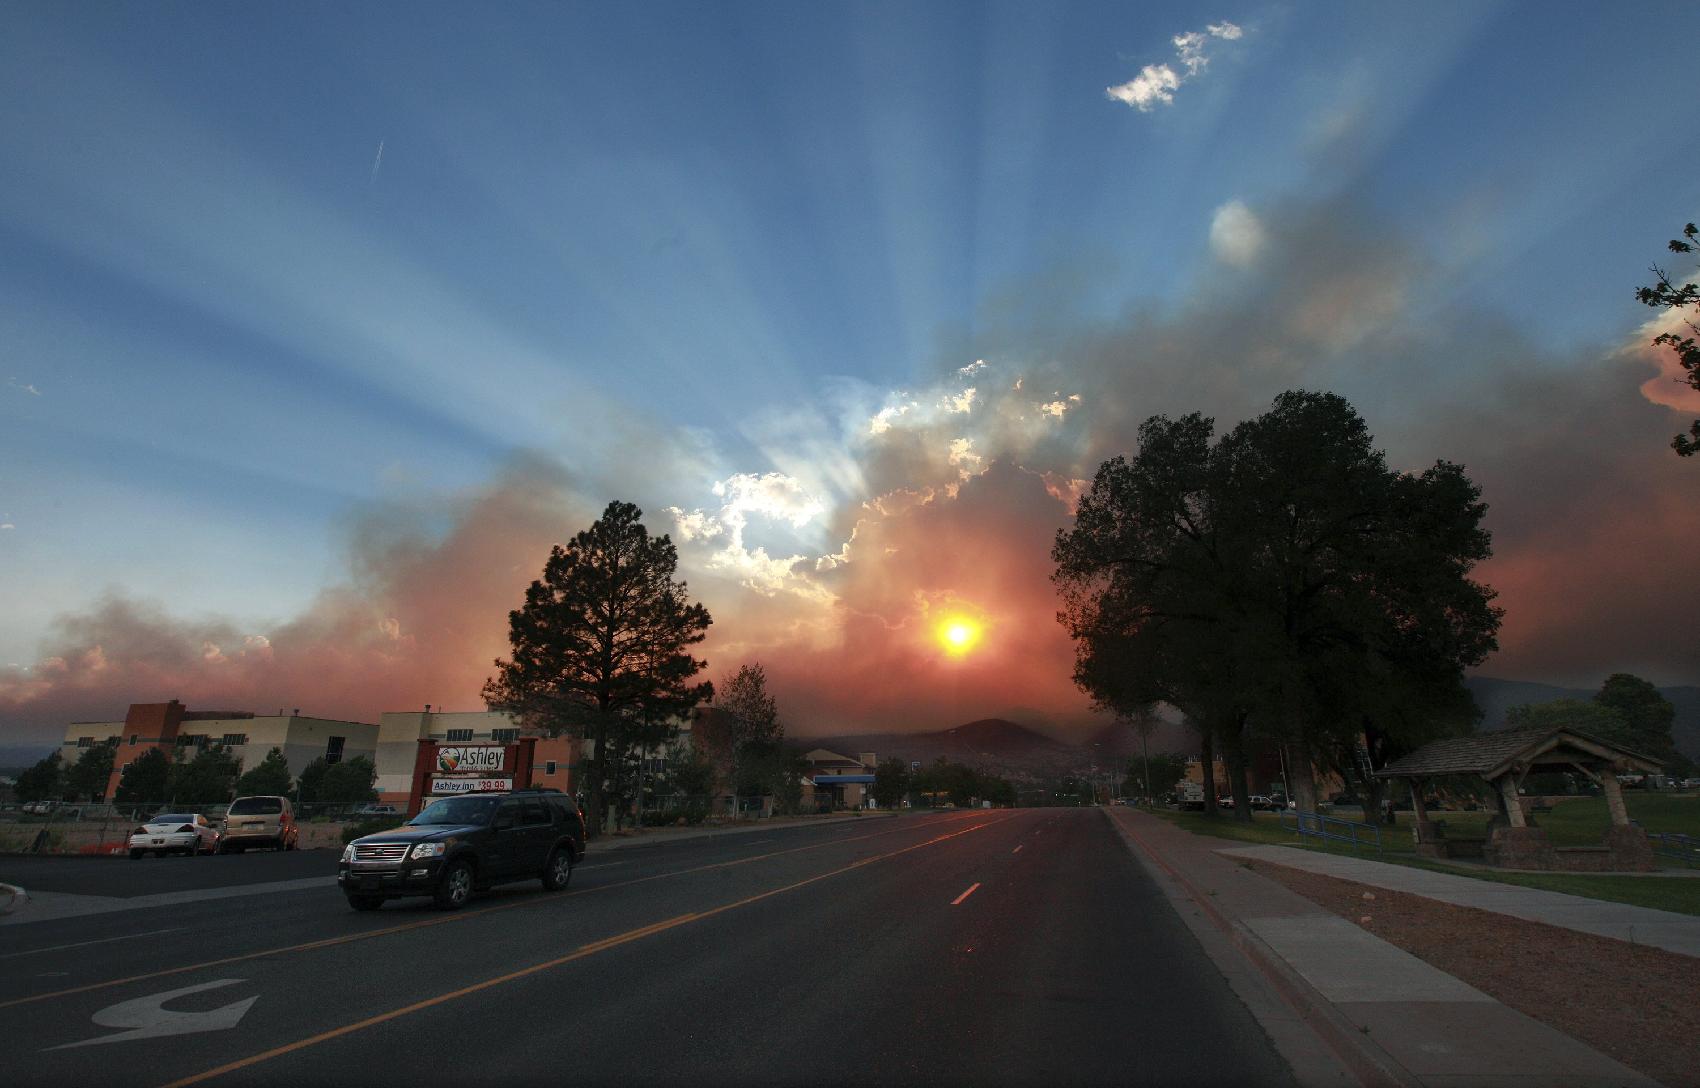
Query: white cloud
[[773, 496], [1155, 85], [7, 525], [882, 420], [963, 402], [22, 388], [1236, 235], [1059, 407], [962, 455], [972, 368]]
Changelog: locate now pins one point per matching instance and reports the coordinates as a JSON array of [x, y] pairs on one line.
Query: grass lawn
[[1579, 822]]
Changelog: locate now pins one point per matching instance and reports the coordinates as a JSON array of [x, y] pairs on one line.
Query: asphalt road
[[987, 947]]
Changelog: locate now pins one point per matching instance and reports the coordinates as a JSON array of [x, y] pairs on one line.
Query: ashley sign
[[484, 757]]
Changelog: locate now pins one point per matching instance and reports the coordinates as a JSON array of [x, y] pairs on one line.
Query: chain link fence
[[97, 828]]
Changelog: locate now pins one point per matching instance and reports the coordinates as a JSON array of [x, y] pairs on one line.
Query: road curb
[[12, 897], [1372, 1066]]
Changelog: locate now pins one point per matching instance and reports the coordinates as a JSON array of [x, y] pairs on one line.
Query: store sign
[[484, 757], [446, 786]]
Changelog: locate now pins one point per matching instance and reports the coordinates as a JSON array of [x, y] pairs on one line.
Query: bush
[[691, 814]]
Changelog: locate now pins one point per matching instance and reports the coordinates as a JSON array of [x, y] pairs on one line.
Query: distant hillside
[[1495, 697]]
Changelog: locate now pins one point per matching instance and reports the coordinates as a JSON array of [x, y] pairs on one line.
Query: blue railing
[[1314, 825], [1674, 846]]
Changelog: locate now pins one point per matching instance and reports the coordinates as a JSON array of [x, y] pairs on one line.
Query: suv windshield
[[458, 810], [255, 806]]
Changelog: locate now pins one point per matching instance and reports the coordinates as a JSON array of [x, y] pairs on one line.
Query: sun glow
[[959, 635]]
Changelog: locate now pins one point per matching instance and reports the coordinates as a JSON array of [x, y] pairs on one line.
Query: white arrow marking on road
[[148, 1018]]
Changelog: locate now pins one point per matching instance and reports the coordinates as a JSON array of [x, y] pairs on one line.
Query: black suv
[[460, 844]]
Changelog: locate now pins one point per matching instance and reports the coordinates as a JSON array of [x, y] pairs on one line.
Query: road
[[983, 947]]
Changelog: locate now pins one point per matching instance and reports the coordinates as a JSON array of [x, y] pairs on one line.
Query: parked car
[[458, 845], [260, 821], [1691, 783], [377, 810], [174, 833], [1260, 803]]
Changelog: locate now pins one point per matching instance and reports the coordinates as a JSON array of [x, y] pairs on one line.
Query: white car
[[174, 833]]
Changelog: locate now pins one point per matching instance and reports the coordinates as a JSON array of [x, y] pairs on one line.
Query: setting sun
[[959, 635]]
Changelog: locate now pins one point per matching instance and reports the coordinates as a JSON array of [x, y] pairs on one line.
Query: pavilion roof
[[1491, 755]]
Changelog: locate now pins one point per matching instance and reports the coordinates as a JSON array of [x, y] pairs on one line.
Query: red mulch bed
[[1640, 1005]]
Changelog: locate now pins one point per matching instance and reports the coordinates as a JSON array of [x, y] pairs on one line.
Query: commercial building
[[173, 727], [555, 763]]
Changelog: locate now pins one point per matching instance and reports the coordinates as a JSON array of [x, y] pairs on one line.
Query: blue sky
[[229, 329]]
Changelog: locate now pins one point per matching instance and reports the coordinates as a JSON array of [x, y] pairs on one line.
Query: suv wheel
[[365, 902], [455, 887], [558, 871]]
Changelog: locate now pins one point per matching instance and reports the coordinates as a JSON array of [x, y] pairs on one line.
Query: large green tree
[[891, 782], [270, 778], [348, 782], [145, 779], [601, 644], [44, 781], [1280, 584], [749, 714], [1668, 294], [207, 779], [1161, 771], [89, 775]]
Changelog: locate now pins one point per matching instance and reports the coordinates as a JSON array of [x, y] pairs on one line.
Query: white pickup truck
[[1190, 794]]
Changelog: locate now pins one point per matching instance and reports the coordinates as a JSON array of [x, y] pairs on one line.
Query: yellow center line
[[577, 954], [460, 916]]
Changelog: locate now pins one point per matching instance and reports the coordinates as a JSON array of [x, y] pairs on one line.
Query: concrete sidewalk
[[1384, 1016], [1664, 929]]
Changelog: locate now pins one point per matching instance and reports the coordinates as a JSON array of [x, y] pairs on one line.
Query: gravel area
[[1640, 1005]]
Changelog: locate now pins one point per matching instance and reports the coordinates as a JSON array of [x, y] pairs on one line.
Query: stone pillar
[[1614, 798], [1513, 806]]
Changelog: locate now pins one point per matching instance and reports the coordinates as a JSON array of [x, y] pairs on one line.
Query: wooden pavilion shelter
[[1503, 760]]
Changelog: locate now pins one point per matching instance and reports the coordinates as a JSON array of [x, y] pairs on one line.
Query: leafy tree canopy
[[89, 775], [891, 782], [43, 781], [1667, 294], [270, 778], [206, 779], [145, 779], [349, 782]]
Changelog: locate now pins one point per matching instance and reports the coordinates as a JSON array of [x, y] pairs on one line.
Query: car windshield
[[255, 806], [457, 810], [173, 818]]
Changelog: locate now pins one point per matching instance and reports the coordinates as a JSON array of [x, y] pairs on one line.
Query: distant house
[[839, 781]]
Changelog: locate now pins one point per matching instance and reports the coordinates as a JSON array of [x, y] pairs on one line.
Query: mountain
[[1495, 697]]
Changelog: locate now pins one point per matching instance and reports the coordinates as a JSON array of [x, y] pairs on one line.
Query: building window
[[85, 742], [548, 766], [232, 740], [460, 735], [112, 742], [504, 736], [333, 749], [134, 737]]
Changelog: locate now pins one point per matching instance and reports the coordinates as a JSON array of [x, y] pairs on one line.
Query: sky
[[319, 324]]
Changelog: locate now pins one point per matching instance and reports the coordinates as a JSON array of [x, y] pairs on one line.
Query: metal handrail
[[1675, 846], [1314, 825]]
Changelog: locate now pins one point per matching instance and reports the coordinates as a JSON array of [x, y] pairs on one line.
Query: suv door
[[506, 834], [536, 835]]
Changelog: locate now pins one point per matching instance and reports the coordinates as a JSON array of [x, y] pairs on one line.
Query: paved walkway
[[1387, 1016], [1664, 929]]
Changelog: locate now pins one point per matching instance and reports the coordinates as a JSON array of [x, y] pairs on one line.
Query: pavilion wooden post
[[1420, 811], [1614, 797], [1513, 807]]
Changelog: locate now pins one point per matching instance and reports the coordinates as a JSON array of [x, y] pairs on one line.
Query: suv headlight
[[348, 852], [429, 850]]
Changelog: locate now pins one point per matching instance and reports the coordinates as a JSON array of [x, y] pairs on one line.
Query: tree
[[601, 641], [1162, 770], [751, 719], [312, 779], [348, 782], [204, 780], [145, 779], [1278, 585], [270, 778], [89, 775], [44, 781], [891, 782], [1666, 295]]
